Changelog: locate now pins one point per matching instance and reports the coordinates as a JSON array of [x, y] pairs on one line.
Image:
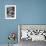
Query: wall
[[27, 12]]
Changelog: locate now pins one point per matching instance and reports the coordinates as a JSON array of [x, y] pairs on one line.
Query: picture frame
[[10, 11], [36, 32]]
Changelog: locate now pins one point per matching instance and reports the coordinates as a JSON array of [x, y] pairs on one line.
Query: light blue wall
[[27, 12]]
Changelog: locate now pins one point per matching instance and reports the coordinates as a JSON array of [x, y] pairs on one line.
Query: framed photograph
[[10, 11], [33, 32]]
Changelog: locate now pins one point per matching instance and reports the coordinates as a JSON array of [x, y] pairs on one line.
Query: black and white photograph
[[31, 34], [10, 11]]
